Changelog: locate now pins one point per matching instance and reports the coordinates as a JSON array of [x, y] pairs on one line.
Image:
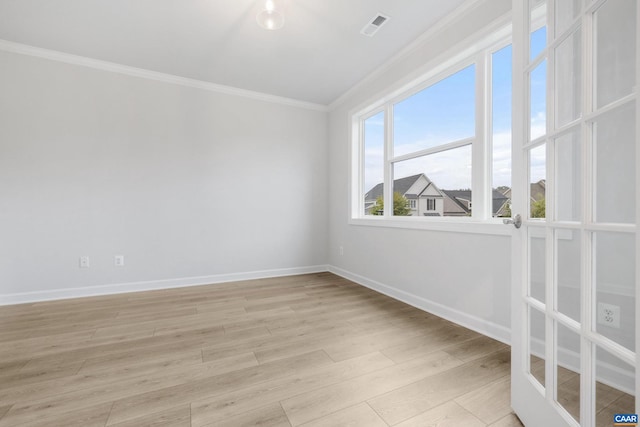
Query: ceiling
[[316, 57]]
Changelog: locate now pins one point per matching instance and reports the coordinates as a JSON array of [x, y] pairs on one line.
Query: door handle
[[516, 221]]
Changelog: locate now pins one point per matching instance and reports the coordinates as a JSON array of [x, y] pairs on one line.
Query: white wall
[[183, 182], [462, 276]]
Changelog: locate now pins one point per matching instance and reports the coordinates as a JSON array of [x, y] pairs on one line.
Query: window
[[431, 149]]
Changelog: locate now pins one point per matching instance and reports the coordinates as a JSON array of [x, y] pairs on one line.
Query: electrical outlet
[[341, 250], [84, 262], [609, 315], [118, 260]]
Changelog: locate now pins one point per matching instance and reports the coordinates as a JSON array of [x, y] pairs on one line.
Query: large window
[[442, 146]]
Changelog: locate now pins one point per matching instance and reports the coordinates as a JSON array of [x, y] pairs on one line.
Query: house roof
[[538, 190], [453, 203], [400, 185], [457, 196]]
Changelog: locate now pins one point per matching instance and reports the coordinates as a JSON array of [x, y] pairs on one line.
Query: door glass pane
[[501, 137], [566, 12], [537, 344], [568, 243], [615, 147], [373, 162], [538, 38], [425, 120], [537, 176], [537, 263], [615, 382], [568, 370], [614, 258], [568, 181], [615, 50], [568, 76], [434, 185], [538, 98]]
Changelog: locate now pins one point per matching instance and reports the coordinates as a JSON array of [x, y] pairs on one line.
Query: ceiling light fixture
[[270, 18]]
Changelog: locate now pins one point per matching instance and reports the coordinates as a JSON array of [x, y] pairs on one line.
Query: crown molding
[[53, 55]]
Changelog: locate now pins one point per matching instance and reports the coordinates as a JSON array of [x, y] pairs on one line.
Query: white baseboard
[[477, 324], [118, 288]]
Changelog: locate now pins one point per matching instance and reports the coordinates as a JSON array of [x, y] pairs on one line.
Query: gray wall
[[183, 182]]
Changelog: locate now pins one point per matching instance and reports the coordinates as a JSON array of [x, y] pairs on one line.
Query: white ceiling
[[316, 57]]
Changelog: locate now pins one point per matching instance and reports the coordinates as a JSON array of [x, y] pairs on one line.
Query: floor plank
[[488, 403], [231, 404], [358, 415], [318, 403], [176, 417], [268, 416], [449, 414], [419, 396]]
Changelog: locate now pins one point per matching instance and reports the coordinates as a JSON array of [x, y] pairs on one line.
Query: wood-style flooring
[[309, 350]]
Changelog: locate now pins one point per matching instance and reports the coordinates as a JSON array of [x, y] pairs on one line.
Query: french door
[[575, 257]]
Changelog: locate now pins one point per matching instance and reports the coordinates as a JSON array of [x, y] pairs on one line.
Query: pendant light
[[271, 17]]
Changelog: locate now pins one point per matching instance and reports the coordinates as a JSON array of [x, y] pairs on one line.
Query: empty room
[[319, 213]]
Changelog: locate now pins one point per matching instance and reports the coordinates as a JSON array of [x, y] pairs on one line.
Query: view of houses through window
[[430, 148]]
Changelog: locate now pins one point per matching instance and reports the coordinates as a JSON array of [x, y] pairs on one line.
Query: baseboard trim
[[477, 324], [120, 288]]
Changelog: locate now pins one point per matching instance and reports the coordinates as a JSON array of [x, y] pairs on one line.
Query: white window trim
[[473, 51]]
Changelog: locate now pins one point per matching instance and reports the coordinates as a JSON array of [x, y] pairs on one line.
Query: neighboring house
[[424, 198], [537, 192], [458, 203]]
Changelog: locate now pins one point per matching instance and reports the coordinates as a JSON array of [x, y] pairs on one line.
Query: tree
[[507, 211], [538, 209], [400, 206]]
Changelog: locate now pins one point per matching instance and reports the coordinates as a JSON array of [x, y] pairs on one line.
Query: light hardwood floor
[[309, 350]]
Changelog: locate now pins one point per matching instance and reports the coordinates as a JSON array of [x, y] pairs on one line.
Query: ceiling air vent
[[374, 25]]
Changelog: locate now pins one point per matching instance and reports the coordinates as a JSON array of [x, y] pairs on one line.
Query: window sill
[[454, 225]]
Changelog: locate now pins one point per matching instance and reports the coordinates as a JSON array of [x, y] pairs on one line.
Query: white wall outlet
[[84, 262], [118, 260], [341, 250], [609, 315]]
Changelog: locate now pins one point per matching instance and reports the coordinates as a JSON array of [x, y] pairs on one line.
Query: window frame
[[473, 52]]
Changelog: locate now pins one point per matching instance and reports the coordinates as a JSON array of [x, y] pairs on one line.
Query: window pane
[[568, 370], [614, 387], [537, 345], [569, 274], [439, 183], [538, 101], [538, 41], [537, 175], [501, 137], [441, 113], [373, 162], [568, 91], [615, 50], [568, 181], [615, 148], [538, 263], [615, 287], [538, 38]]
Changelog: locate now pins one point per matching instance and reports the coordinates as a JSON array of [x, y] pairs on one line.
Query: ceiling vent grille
[[374, 25]]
